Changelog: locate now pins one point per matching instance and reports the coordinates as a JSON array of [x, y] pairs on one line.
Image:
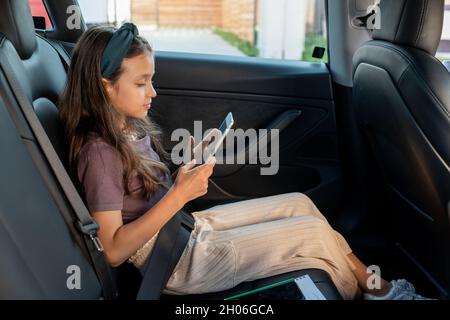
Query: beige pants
[[258, 238]]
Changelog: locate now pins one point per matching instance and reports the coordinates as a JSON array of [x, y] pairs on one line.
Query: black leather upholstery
[[15, 23], [320, 278], [42, 77], [36, 64], [422, 81], [401, 96], [413, 23]]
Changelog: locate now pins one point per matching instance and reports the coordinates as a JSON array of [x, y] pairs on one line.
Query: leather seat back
[[40, 241], [401, 96], [37, 66]]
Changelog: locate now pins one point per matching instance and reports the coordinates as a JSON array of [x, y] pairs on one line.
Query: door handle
[[280, 123]]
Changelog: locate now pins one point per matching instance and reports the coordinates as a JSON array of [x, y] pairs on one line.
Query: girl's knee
[[303, 200], [314, 223], [320, 223], [298, 196]]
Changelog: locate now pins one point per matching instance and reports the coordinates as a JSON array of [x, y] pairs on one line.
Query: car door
[[294, 97], [291, 96]]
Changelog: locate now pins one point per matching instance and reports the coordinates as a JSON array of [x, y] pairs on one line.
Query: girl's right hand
[[191, 182]]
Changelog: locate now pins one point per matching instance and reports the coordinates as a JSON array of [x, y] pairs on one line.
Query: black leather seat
[[42, 77], [37, 66], [320, 278], [401, 97]]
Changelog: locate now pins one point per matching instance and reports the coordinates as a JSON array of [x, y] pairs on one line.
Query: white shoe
[[400, 290]]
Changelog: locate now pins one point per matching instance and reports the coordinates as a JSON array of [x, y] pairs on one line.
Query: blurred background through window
[[279, 29]]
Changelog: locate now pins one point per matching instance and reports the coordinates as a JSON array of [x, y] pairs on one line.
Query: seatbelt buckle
[[97, 243], [91, 229]]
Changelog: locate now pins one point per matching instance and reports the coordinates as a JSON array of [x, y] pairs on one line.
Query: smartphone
[[224, 128]]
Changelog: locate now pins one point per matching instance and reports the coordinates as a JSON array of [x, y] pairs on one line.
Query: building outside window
[[278, 29]]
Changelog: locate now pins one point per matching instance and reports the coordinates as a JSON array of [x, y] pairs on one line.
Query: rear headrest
[[414, 23], [16, 23]]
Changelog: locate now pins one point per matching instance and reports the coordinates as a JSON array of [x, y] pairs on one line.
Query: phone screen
[[224, 128], [226, 123]]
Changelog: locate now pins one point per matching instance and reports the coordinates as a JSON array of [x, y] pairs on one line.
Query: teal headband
[[117, 48]]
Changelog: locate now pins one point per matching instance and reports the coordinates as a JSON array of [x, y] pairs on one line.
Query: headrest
[[413, 23], [16, 23]]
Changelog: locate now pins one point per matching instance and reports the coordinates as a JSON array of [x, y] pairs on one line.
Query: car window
[[38, 10], [282, 29], [444, 47]]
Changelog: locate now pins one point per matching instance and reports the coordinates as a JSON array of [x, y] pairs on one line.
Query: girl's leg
[[239, 220], [219, 260], [243, 215], [396, 290], [235, 225], [361, 274], [265, 209]]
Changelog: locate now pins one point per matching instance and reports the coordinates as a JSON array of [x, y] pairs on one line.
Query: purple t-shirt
[[100, 172]]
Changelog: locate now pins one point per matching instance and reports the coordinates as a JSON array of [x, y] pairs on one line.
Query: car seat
[[42, 77]]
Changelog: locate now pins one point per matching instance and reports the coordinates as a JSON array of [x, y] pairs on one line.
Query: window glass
[[281, 29], [38, 10], [444, 47]]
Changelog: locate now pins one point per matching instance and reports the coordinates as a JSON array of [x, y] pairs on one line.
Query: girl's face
[[133, 92]]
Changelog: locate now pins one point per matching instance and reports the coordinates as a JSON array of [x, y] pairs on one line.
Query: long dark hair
[[85, 107]]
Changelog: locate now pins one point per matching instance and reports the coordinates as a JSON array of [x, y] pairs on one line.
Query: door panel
[[258, 91], [217, 73]]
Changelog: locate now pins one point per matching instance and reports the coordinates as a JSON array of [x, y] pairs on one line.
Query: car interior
[[366, 136]]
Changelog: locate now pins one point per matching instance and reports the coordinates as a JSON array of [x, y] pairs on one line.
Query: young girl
[[116, 154]]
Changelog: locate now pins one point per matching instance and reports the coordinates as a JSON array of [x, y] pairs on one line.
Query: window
[[281, 29], [444, 47], [38, 10]]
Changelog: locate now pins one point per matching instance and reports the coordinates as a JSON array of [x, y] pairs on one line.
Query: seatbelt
[[169, 246], [85, 224]]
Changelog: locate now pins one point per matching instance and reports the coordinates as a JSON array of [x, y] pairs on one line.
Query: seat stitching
[[422, 21], [403, 74], [414, 67], [400, 21]]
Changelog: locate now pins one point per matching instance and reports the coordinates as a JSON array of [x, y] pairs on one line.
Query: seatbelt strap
[[85, 224], [170, 242], [169, 246]]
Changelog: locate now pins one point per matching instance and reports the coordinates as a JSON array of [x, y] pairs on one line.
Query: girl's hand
[[191, 182], [199, 148]]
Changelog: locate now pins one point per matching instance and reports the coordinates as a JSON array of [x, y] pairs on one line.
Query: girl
[[116, 154]]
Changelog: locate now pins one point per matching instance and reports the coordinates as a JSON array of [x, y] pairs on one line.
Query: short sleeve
[[100, 172]]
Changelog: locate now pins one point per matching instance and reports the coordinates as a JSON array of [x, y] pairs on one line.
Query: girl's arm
[[121, 241]]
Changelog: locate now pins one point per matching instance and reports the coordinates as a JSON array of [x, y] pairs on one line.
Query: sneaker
[[400, 290]]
